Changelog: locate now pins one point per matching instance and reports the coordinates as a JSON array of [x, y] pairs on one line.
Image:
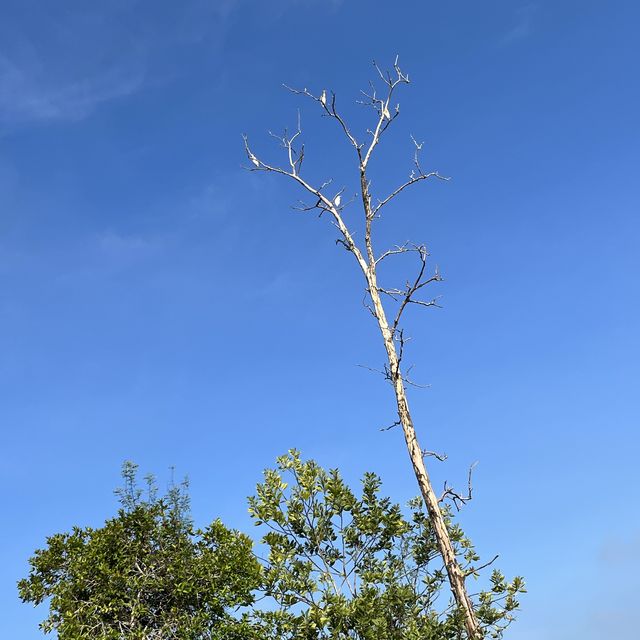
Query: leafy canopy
[[145, 574], [339, 565], [342, 566]]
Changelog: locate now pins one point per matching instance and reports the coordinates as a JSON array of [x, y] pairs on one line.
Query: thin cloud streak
[[72, 57], [523, 25], [69, 60], [24, 96]]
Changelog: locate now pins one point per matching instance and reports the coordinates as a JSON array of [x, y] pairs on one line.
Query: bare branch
[[474, 570], [303, 206], [412, 288], [392, 252], [252, 158], [438, 456], [368, 306], [457, 499], [382, 372], [416, 175], [382, 104], [328, 104], [397, 423], [411, 383], [390, 374], [323, 202]]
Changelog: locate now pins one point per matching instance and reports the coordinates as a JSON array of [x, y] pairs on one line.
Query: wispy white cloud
[[522, 25], [28, 94], [121, 247], [61, 61]]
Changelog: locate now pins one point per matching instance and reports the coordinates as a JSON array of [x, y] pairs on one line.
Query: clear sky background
[[160, 304]]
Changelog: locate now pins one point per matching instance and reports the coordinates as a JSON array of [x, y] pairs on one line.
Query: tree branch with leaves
[[343, 564]]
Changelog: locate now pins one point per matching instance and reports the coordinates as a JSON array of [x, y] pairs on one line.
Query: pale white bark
[[368, 263]]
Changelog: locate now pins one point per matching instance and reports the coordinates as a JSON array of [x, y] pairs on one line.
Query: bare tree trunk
[[454, 572], [368, 261]]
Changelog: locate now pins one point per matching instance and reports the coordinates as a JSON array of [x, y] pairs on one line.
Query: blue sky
[[160, 304]]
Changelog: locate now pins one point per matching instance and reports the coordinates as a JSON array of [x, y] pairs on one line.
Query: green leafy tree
[[342, 566], [146, 574]]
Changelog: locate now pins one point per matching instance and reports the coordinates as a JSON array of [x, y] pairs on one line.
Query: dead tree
[[387, 305]]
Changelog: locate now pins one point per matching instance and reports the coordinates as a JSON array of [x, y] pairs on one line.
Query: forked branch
[[416, 175], [458, 499]]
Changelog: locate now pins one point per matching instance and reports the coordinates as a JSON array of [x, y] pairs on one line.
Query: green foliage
[[145, 574], [339, 566], [345, 567]]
